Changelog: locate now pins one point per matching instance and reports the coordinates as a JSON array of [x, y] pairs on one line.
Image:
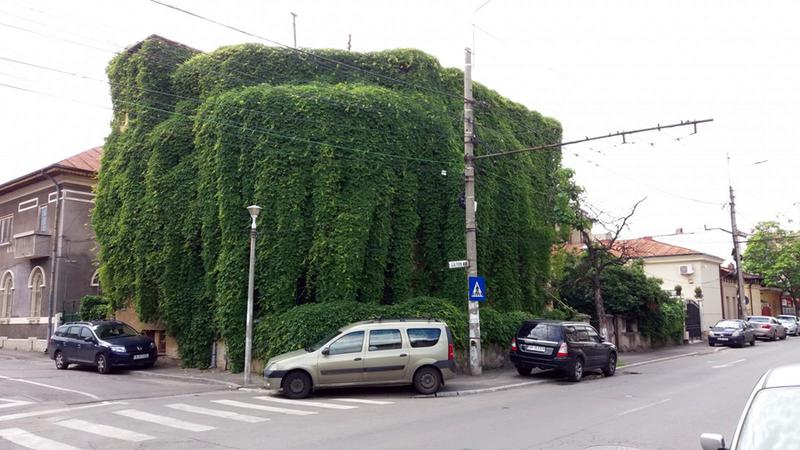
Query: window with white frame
[[6, 292], [6, 229], [43, 218], [36, 284]]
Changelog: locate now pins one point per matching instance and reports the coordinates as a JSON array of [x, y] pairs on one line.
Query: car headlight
[[711, 333], [152, 345], [118, 349], [736, 333], [271, 367]]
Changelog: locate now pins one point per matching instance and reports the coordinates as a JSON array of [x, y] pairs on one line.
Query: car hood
[[129, 340], [286, 357]]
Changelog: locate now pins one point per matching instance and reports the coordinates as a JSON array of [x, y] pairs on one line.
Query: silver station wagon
[[416, 352]]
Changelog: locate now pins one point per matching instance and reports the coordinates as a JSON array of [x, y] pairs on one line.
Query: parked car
[[770, 416], [419, 352], [790, 322], [102, 344], [733, 332], [573, 347], [767, 327]]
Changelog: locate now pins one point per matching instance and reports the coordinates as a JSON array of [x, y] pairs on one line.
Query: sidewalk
[[490, 381]]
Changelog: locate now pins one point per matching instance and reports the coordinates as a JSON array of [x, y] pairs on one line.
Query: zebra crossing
[[124, 424]]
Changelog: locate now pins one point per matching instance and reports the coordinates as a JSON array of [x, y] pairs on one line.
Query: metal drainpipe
[[53, 257]]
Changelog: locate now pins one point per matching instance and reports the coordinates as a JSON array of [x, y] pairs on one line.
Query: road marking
[[104, 430], [630, 411], [366, 402], [728, 364], [293, 412], [92, 396], [52, 411], [12, 403], [217, 413], [163, 420], [666, 358], [304, 403], [29, 440]]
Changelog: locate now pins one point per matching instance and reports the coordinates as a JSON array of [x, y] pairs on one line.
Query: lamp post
[[248, 337]]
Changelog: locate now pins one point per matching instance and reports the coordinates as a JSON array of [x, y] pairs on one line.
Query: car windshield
[[321, 342], [786, 318], [727, 324], [759, 319], [114, 330], [772, 420]]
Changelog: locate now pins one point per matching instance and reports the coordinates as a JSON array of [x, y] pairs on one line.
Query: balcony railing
[[32, 245]]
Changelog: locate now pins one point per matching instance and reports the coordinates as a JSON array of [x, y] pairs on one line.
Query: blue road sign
[[477, 289]]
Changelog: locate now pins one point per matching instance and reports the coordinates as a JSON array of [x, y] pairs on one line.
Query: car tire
[[575, 371], [783, 338], [753, 342], [711, 344], [149, 365], [427, 380], [102, 364], [774, 336], [524, 371], [297, 385], [61, 363], [611, 367]]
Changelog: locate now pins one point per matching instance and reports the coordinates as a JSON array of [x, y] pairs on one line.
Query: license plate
[[535, 348], [722, 339], [142, 356]]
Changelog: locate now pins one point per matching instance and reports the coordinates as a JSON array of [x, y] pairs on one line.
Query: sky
[[596, 66]]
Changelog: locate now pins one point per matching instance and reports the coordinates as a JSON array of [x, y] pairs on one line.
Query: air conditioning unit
[[687, 269]]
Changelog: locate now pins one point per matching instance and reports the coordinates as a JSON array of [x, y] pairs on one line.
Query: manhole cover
[[611, 447]]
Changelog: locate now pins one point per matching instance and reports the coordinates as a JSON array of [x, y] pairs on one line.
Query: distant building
[[47, 248]]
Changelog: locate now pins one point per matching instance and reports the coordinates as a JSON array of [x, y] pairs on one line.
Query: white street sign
[[458, 264]]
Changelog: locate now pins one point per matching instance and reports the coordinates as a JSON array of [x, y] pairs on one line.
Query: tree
[[774, 253]]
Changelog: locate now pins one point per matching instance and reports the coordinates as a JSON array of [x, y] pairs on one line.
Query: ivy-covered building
[[357, 160], [47, 248]]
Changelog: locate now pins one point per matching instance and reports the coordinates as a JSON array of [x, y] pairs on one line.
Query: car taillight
[[513, 344], [451, 355], [766, 326], [563, 352]]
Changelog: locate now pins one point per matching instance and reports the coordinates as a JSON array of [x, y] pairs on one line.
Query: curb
[[669, 358], [189, 378], [504, 387]]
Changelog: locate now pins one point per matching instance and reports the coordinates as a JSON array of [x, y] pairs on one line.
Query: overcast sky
[[596, 66]]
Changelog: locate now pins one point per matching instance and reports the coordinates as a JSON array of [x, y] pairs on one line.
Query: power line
[[57, 38], [305, 52]]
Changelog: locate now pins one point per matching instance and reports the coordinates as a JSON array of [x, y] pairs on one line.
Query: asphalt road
[[662, 405]]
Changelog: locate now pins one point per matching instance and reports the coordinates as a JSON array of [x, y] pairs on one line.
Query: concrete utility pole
[[349, 41], [737, 256], [294, 28], [475, 367]]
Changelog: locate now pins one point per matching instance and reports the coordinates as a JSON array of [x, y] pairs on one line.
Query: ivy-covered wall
[[348, 166]]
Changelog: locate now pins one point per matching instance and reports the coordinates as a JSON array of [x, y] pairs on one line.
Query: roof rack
[[380, 319]]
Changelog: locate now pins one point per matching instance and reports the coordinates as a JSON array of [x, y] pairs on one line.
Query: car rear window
[[540, 331], [424, 337], [759, 319]]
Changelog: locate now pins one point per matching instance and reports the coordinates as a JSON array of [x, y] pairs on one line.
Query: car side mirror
[[711, 326], [712, 441], [326, 351], [88, 339], [602, 339]]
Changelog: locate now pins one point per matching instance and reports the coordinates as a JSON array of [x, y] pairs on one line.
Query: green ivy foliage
[[94, 307], [347, 165]]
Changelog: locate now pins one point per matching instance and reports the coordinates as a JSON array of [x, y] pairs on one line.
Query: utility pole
[[475, 367], [294, 28], [737, 256], [349, 41]]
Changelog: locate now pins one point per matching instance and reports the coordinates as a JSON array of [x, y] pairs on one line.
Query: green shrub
[[94, 307], [665, 322]]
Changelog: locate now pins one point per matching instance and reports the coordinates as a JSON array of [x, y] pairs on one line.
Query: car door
[[86, 345], [597, 349], [342, 361], [71, 338], [777, 324], [579, 342], [387, 356]]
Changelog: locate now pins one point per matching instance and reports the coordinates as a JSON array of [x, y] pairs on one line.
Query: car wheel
[[575, 372], [427, 381], [149, 365], [711, 344], [753, 342], [297, 385], [783, 337], [102, 364], [61, 363], [524, 371], [611, 368], [773, 337]]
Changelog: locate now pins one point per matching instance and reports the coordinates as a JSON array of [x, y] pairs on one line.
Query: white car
[[770, 417], [790, 322]]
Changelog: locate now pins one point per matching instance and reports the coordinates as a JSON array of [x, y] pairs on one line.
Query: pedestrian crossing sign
[[477, 289]]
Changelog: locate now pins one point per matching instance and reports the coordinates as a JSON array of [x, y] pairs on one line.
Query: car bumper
[[763, 333], [725, 340], [127, 359], [523, 360]]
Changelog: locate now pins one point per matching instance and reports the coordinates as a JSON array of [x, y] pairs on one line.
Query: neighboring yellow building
[[165, 343], [761, 300]]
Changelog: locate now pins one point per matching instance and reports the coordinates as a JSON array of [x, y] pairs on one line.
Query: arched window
[[6, 294], [36, 284]]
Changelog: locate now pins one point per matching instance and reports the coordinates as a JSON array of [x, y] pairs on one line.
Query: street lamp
[[248, 339]]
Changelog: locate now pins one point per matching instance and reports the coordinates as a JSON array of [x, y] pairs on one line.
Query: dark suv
[[102, 344], [573, 347]]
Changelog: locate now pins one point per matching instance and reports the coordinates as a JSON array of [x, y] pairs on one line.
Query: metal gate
[[693, 320]]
